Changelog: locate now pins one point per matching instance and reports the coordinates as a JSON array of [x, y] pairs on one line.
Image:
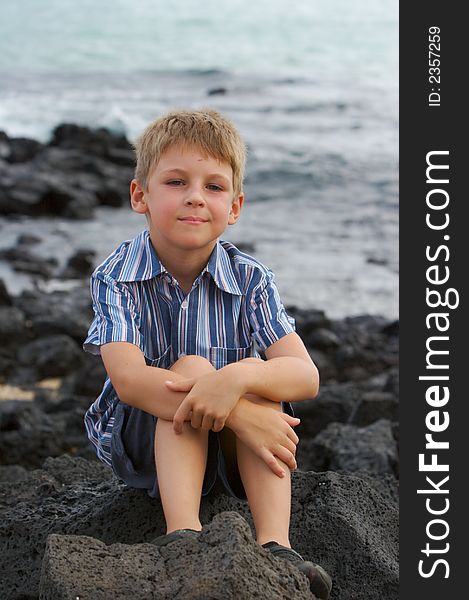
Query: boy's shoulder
[[132, 260], [246, 266], [238, 256]]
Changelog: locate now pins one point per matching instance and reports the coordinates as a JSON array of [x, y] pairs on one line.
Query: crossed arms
[[238, 396]]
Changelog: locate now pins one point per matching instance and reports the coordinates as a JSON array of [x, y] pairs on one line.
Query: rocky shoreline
[[63, 513]]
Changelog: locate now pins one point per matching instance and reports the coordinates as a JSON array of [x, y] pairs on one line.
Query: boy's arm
[[144, 387], [137, 384], [287, 375]]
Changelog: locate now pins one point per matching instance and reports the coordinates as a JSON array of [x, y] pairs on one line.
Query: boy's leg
[[269, 496], [181, 460]]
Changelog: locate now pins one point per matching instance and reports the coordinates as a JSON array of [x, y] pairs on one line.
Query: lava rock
[[224, 562], [49, 426], [68, 177], [58, 312], [99, 142], [23, 260], [392, 383], [334, 403], [51, 356], [22, 149], [350, 448], [88, 380], [79, 265], [13, 328], [5, 298], [323, 339], [347, 524], [308, 320], [375, 406], [217, 91]]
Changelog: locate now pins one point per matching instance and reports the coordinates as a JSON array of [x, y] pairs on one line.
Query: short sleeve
[[268, 317], [116, 318]]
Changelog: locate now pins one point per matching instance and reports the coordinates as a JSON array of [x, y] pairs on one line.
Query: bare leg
[[269, 496], [181, 460]]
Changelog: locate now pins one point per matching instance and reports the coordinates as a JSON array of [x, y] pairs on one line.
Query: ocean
[[312, 86]]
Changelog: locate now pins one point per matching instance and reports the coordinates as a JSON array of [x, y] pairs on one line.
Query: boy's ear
[[236, 207], [137, 197]]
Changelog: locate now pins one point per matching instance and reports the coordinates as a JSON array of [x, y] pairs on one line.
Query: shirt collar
[[141, 263]]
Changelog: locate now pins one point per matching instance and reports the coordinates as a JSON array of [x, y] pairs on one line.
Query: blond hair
[[205, 129]]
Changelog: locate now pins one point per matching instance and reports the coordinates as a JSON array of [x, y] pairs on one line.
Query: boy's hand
[[209, 401], [267, 431]]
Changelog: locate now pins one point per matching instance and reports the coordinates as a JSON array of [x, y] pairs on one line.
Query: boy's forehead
[[177, 154]]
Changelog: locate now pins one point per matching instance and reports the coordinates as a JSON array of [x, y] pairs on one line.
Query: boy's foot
[[178, 534], [320, 582]]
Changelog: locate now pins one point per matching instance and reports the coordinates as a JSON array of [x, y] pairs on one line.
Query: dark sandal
[[178, 534], [320, 582]]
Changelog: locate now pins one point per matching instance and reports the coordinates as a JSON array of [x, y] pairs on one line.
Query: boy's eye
[[175, 182], [214, 187]]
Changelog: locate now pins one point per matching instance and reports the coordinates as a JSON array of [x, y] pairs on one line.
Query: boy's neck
[[184, 265]]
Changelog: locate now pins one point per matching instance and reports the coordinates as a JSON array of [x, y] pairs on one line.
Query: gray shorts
[[133, 461]]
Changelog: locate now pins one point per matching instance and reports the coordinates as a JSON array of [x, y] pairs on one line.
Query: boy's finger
[[272, 463], [292, 421], [180, 386], [207, 423], [218, 425], [180, 416], [287, 457], [196, 420]]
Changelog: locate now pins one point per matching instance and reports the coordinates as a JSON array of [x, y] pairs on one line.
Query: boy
[[177, 313]]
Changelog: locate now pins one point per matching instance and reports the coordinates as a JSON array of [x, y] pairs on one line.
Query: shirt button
[[184, 304]]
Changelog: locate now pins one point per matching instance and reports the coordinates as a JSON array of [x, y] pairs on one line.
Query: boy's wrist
[[240, 376], [233, 419]]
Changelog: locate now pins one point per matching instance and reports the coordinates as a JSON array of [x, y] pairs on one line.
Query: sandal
[[178, 534], [320, 582]]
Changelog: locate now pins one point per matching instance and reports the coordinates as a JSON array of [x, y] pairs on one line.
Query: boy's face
[[189, 200]]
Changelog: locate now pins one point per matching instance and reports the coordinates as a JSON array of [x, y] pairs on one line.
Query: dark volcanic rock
[[347, 524], [350, 349], [51, 356], [67, 313], [5, 298], [224, 562], [19, 149], [13, 328], [31, 431], [324, 339], [22, 259], [392, 383], [350, 448], [374, 406], [99, 142], [79, 265], [80, 169], [88, 380], [335, 402], [217, 91], [308, 321], [37, 188]]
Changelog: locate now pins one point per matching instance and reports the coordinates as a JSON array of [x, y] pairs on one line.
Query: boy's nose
[[194, 198]]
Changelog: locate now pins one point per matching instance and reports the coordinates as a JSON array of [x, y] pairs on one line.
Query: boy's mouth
[[193, 219]]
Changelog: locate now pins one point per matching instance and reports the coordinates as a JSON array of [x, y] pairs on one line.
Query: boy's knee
[[191, 364], [252, 359]]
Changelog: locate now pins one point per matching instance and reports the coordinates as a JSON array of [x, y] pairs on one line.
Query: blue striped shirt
[[232, 310]]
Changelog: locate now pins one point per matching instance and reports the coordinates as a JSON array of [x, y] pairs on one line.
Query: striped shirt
[[232, 310]]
